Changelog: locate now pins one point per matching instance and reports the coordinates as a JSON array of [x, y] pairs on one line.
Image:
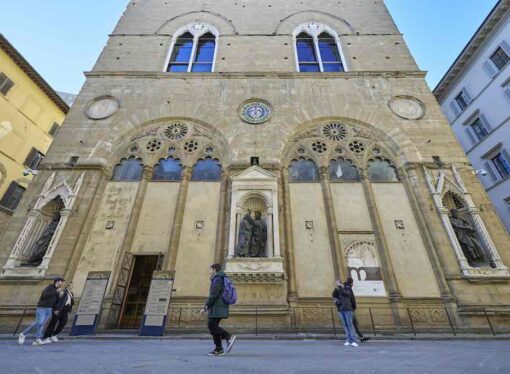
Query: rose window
[[334, 131], [153, 145], [175, 131], [209, 150], [319, 147], [301, 150], [190, 146], [357, 147]]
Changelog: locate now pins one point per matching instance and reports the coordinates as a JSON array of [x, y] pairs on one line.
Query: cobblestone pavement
[[190, 356]]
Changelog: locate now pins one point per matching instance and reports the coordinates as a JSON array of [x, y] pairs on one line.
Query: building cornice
[[280, 75], [24, 65], [478, 40]]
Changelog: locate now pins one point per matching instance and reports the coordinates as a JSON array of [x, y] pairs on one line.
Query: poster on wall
[[158, 302], [89, 310], [364, 269]]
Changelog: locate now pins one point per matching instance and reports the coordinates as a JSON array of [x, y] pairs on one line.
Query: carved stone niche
[[255, 190]]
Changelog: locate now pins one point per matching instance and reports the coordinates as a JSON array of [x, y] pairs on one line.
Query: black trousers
[[356, 327], [217, 332], [56, 324]]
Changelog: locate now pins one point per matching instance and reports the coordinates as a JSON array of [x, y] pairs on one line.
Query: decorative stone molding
[[257, 277], [102, 107], [68, 196], [407, 107], [442, 181]]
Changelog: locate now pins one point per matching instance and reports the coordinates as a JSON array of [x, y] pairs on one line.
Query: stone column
[[219, 252], [270, 247], [334, 241], [390, 281], [179, 215], [290, 260]]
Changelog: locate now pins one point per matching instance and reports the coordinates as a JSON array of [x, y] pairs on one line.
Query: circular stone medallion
[[407, 107], [256, 112], [102, 107]]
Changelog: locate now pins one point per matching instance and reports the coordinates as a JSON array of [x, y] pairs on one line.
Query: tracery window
[[169, 169], [194, 50], [342, 169], [318, 50], [128, 170], [380, 170], [206, 170], [303, 170]]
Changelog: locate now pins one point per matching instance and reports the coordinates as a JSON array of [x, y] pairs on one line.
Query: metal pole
[[333, 320], [372, 319], [411, 320], [256, 321], [19, 322], [180, 315], [450, 321], [490, 324]]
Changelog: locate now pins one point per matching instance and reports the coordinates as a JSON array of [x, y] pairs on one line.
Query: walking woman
[[344, 300]]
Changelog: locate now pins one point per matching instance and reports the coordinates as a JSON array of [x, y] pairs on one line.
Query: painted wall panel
[[350, 207]]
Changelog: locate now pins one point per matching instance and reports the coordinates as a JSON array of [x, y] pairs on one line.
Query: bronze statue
[[41, 245], [252, 236], [468, 239]]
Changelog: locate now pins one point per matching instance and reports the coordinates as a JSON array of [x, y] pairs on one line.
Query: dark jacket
[[344, 297], [216, 307], [49, 297], [61, 304]]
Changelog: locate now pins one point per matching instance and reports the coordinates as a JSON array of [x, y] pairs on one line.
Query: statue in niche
[[252, 236], [468, 240], [41, 245]]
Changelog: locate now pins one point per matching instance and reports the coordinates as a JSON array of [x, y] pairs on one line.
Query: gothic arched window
[[344, 170], [303, 170], [194, 50], [128, 170], [380, 170], [206, 170], [169, 169], [317, 49]]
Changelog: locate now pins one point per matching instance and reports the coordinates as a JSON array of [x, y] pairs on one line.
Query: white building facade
[[475, 97]]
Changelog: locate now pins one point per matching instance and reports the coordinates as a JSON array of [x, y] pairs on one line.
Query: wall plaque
[[256, 111], [407, 107], [102, 107]]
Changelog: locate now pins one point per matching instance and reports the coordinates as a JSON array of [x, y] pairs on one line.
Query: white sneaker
[[347, 344], [21, 339], [37, 342], [354, 344], [54, 339], [46, 341]]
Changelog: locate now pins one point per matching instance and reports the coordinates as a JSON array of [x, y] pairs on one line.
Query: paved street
[[190, 356]]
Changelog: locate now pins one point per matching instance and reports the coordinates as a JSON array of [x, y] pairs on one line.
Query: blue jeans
[[346, 318], [42, 315]]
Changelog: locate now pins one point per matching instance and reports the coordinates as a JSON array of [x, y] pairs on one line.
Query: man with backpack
[[221, 294]]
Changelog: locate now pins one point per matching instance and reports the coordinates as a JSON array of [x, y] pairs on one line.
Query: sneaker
[[37, 342], [354, 344], [230, 343], [347, 344], [47, 341], [21, 339], [364, 339], [54, 339], [217, 352]]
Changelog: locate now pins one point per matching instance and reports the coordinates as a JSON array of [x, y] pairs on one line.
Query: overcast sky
[[63, 38]]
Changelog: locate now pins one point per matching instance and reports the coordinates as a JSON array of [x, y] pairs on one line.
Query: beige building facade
[[314, 114]]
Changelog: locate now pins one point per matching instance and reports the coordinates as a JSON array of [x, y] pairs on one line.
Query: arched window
[[303, 170], [130, 169], [342, 169], [380, 170], [194, 50], [208, 170], [169, 169], [317, 49]]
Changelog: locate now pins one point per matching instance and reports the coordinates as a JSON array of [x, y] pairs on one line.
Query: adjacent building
[[295, 143], [31, 114], [475, 96]]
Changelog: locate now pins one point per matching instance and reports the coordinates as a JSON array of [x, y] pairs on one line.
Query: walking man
[[362, 338], [47, 302], [59, 318], [344, 301], [217, 309]]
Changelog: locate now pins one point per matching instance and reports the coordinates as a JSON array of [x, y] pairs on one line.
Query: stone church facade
[[303, 132]]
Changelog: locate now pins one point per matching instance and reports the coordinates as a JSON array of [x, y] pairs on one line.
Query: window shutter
[[507, 94], [489, 69], [455, 108], [30, 157], [485, 122], [471, 134], [507, 156], [490, 168], [467, 95], [506, 47]]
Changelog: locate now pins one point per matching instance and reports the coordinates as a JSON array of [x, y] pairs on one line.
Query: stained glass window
[[130, 169], [303, 170], [206, 170], [342, 169], [169, 169]]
